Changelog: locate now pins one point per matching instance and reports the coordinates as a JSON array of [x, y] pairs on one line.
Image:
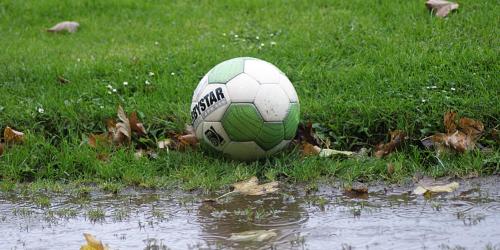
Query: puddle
[[386, 218]]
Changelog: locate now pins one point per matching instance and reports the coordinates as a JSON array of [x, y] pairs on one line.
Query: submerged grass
[[360, 69]]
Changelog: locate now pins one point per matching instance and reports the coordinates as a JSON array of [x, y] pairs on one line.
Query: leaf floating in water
[[68, 26], [13, 136], [252, 187], [441, 8], [93, 243], [448, 188], [253, 235]]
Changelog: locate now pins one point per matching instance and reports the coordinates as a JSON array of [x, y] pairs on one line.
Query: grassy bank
[[360, 69]]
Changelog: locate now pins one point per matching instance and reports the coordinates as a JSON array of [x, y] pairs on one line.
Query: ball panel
[[270, 135], [291, 121], [242, 122], [215, 135], [262, 71], [242, 88], [272, 102], [227, 70], [283, 144], [287, 86], [245, 151]]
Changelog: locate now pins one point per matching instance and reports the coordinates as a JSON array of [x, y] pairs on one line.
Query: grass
[[360, 68]]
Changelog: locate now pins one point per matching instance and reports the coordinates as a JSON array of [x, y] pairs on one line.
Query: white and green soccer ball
[[246, 108]]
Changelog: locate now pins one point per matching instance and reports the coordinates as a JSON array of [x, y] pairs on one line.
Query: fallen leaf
[[397, 137], [460, 140], [326, 152], [309, 149], [135, 125], [12, 136], [1, 149], [448, 188], [189, 138], [441, 8], [62, 80], [305, 133], [93, 243], [98, 139], [121, 133], [449, 122], [252, 187], [253, 235], [164, 144], [68, 26]]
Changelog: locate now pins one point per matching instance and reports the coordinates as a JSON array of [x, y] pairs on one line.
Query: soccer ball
[[246, 108]]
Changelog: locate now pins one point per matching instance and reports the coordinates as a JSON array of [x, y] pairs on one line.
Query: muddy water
[[386, 218]]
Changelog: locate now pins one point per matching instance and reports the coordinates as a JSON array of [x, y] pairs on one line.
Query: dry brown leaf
[[13, 136], [1, 149], [98, 139], [448, 188], [68, 26], [460, 140], [93, 243], [252, 187], [135, 125], [449, 122], [253, 235], [397, 137], [471, 127], [309, 149], [441, 8], [122, 133]]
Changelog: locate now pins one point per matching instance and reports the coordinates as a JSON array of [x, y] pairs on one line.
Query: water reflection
[[387, 218]]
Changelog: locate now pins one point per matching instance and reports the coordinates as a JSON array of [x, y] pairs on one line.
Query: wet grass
[[360, 69]]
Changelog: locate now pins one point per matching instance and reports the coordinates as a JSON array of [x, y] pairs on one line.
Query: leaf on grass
[[390, 168], [62, 80], [121, 133], [252, 187], [459, 138], [253, 235], [326, 152], [180, 141], [136, 125], [164, 144], [441, 8], [13, 136], [95, 140], [1, 149], [397, 137], [448, 188], [68, 26], [93, 243], [309, 149]]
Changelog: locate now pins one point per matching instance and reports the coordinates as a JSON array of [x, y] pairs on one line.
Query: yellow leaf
[[93, 243], [253, 235], [448, 188], [12, 136], [252, 187]]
